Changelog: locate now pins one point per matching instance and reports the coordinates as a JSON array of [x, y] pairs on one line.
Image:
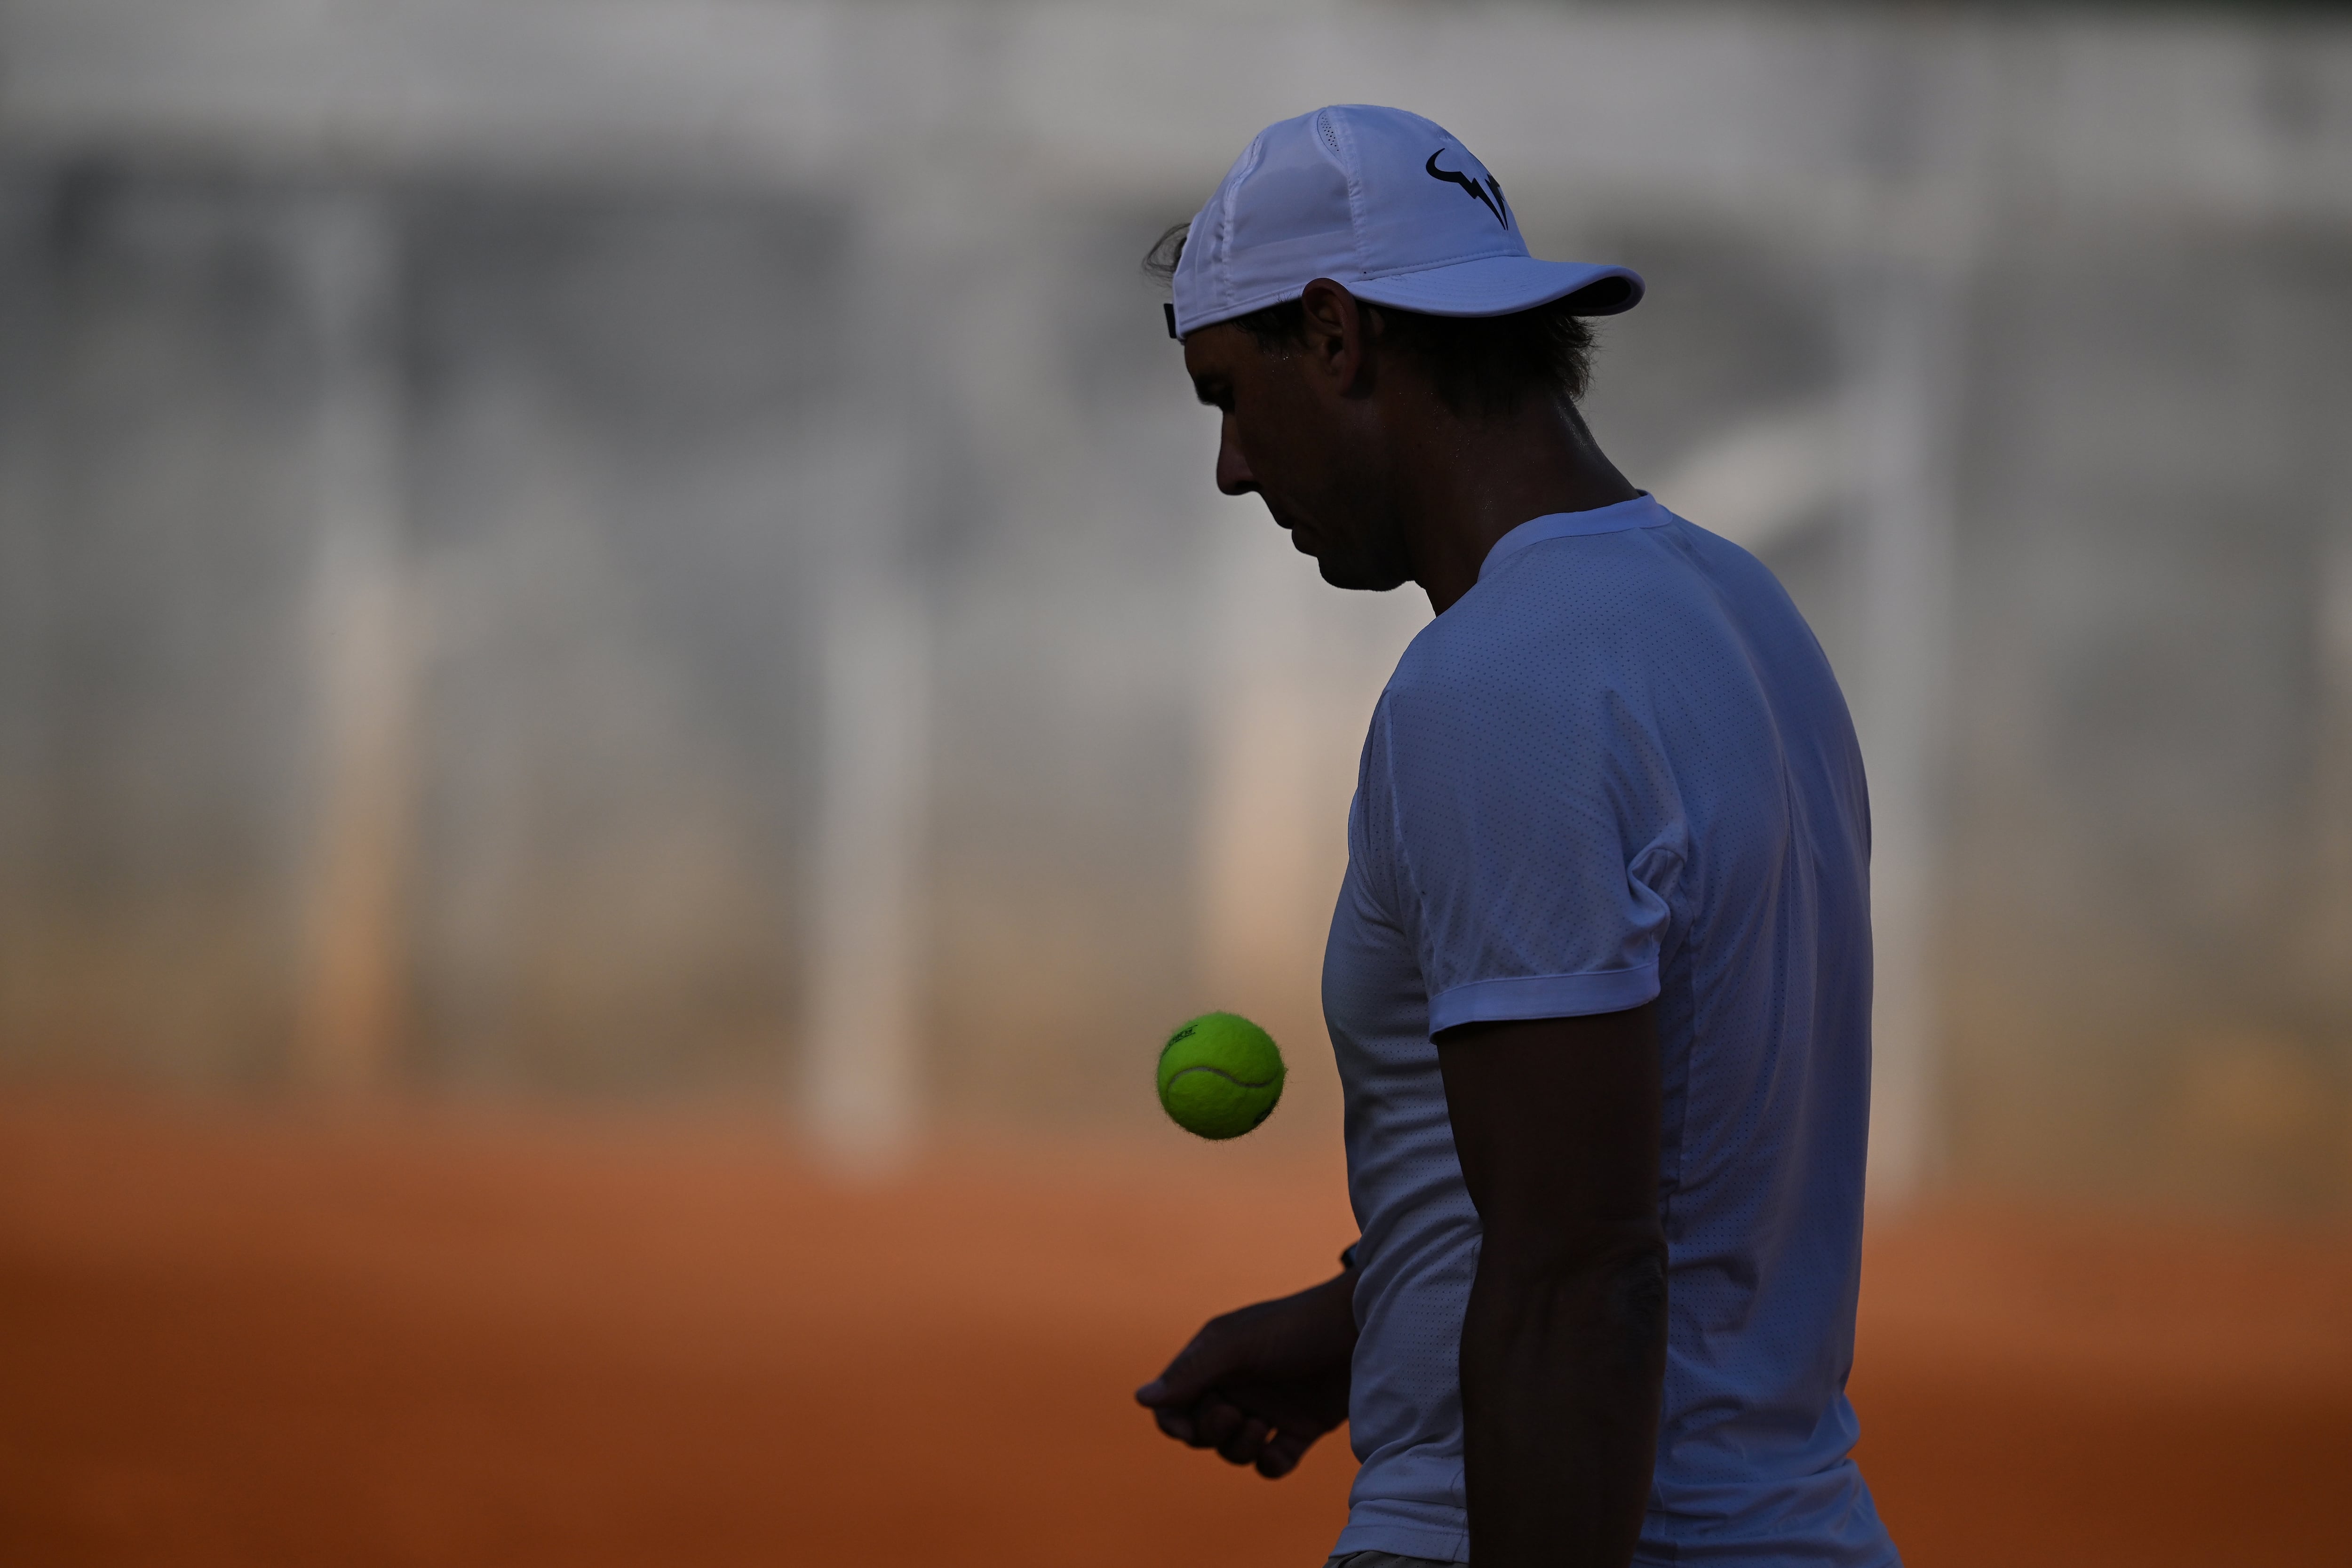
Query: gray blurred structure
[[656, 546]]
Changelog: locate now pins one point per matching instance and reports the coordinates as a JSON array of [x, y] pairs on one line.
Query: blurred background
[[626, 709]]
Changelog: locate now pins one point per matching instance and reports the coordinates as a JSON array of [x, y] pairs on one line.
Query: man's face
[[1311, 452]]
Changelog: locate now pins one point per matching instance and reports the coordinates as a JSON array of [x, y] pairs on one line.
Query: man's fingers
[[1246, 1444], [1282, 1455], [1215, 1424], [1239, 1437]]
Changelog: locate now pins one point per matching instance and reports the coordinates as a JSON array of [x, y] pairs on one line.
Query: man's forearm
[[1561, 1368]]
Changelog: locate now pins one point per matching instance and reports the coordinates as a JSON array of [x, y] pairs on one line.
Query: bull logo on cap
[[1497, 206]]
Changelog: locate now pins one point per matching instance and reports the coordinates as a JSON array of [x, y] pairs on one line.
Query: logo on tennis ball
[[1220, 1075]]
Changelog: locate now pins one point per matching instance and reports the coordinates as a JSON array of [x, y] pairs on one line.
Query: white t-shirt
[[1618, 769]]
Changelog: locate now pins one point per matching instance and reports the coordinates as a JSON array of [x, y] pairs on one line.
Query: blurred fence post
[[861, 1066], [362, 639], [1263, 817], [861, 1079], [23, 765], [1927, 101], [1903, 409], [2329, 931]]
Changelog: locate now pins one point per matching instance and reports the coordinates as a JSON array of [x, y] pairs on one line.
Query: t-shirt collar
[[1642, 511]]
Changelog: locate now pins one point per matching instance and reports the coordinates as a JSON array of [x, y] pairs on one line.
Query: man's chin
[[1363, 576], [1344, 568]]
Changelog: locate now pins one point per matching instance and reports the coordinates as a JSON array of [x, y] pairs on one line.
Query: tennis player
[[1599, 978]]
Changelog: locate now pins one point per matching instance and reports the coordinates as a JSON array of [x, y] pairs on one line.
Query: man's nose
[[1233, 476]]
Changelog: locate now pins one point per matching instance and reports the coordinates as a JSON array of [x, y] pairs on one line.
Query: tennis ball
[[1218, 1076]]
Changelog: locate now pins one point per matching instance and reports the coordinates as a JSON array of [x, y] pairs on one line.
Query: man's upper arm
[[1533, 858], [1556, 1121]]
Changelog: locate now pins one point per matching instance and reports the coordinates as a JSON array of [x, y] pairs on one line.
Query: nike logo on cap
[[1499, 207]]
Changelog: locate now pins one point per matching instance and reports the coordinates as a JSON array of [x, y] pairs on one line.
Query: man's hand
[[1260, 1384]]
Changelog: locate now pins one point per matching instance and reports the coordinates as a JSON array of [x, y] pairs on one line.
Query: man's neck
[[1464, 484]]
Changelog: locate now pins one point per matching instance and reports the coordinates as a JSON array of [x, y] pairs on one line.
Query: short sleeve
[[1530, 842]]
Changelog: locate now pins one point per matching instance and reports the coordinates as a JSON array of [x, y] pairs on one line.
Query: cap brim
[[1499, 285]]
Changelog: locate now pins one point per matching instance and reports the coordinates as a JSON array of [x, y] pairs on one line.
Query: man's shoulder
[[1633, 644], [1563, 614]]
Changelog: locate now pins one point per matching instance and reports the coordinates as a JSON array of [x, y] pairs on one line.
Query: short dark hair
[[1487, 365]]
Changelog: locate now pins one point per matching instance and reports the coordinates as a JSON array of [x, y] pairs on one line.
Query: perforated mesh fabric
[[1330, 137]]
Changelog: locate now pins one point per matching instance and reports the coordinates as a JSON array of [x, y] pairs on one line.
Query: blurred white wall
[[660, 548]]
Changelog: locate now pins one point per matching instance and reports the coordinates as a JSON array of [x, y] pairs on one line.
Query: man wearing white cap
[[1599, 978]]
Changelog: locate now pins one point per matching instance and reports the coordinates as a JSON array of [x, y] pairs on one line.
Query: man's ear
[[1338, 348]]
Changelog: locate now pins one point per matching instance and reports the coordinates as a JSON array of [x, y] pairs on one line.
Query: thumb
[[1186, 1378]]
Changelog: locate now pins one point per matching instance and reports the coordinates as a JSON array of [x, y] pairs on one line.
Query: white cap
[[1386, 204]]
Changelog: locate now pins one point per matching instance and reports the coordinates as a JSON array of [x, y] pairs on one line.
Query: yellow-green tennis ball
[[1218, 1076]]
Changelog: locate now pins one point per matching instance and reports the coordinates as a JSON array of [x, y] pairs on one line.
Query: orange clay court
[[434, 1339]]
